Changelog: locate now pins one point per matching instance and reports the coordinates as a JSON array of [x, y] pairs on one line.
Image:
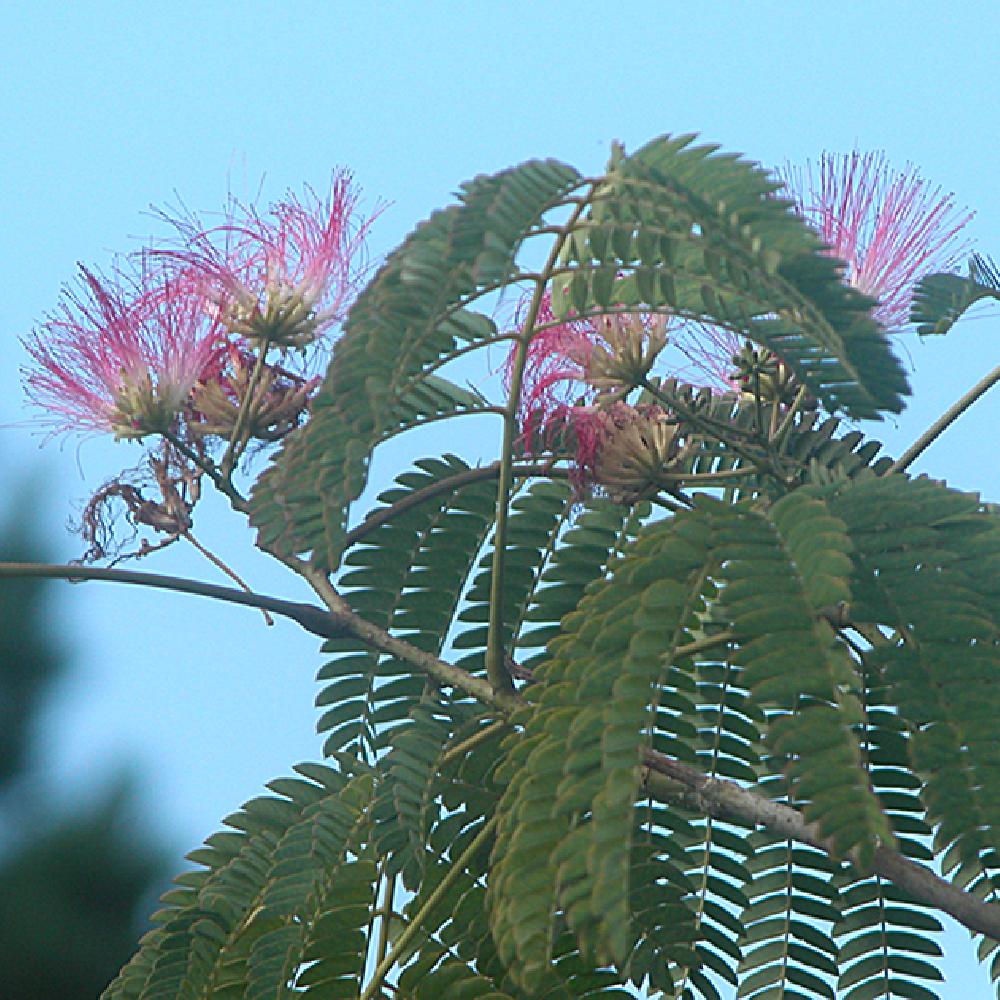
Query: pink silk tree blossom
[[121, 359], [554, 366], [284, 276], [891, 228], [570, 366]]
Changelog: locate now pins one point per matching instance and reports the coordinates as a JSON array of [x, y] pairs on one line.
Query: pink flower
[[889, 227], [121, 359], [283, 277], [553, 371], [573, 361]]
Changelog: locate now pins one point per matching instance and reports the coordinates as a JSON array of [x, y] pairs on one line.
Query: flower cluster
[[168, 349], [577, 373], [889, 228], [571, 361], [194, 341]]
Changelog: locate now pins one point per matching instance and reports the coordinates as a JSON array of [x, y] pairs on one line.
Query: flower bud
[[760, 371], [639, 449], [630, 343], [275, 407]]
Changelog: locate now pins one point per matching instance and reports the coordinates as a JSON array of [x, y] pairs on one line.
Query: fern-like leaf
[[783, 568], [408, 321], [406, 575], [940, 300], [687, 230]]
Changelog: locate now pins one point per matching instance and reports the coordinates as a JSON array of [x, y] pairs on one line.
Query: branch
[[667, 780], [378, 638], [318, 621], [402, 943], [337, 619], [447, 485], [673, 782], [945, 421]]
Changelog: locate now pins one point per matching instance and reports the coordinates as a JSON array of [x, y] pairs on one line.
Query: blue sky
[[109, 108]]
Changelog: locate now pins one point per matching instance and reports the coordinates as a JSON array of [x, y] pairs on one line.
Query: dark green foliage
[[68, 900], [29, 657], [73, 883], [810, 628], [941, 299], [781, 572], [409, 320], [582, 741], [408, 575], [539, 513], [925, 559], [793, 900], [884, 943]]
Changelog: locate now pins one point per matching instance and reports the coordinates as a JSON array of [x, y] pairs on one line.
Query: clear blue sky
[[108, 108]]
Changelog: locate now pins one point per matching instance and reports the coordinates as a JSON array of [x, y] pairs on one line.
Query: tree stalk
[[496, 669], [681, 784], [945, 421], [413, 928]]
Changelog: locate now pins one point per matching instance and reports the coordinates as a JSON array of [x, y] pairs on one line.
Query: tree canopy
[[689, 689]]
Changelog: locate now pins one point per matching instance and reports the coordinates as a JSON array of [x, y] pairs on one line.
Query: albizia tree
[[688, 690]]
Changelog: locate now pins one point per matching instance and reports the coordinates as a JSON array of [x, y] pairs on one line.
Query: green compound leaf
[[783, 568], [407, 575], [409, 321], [579, 753], [941, 300], [927, 559], [793, 900], [268, 888], [689, 231], [566, 815]]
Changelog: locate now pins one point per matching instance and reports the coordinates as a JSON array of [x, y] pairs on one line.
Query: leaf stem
[[496, 669], [444, 486], [779, 435], [225, 486], [236, 440], [231, 573], [412, 929], [945, 421], [479, 737], [384, 928]]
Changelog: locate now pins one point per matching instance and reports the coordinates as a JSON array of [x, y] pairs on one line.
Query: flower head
[[635, 452], [274, 403], [629, 452], [891, 228], [571, 361], [121, 359], [282, 277]]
